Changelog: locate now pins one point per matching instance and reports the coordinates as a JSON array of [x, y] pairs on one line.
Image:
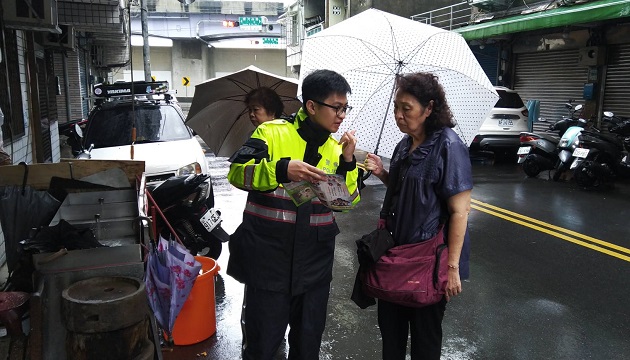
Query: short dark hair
[[426, 87], [320, 84], [266, 98]]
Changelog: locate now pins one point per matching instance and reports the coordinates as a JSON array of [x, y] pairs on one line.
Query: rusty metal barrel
[[106, 318]]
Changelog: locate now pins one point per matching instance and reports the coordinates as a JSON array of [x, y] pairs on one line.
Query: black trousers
[[425, 323], [266, 315]]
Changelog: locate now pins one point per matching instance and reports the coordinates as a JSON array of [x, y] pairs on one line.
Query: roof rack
[[124, 88]]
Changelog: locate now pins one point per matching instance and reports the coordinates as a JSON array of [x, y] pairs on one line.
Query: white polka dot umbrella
[[371, 48]]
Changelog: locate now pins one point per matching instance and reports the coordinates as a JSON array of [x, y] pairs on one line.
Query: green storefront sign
[[250, 22], [270, 41]]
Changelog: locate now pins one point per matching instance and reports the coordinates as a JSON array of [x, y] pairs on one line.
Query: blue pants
[[425, 323], [266, 315]]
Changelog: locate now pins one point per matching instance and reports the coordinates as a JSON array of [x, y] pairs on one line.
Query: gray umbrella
[[23, 208], [218, 113]]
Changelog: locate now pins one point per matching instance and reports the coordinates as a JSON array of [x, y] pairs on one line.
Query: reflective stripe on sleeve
[[248, 177], [354, 195]]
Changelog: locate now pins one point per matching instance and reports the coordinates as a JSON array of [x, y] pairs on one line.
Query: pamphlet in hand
[[332, 192]]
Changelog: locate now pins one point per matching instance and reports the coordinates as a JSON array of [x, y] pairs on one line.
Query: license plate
[[580, 153], [211, 219], [524, 150], [505, 122]]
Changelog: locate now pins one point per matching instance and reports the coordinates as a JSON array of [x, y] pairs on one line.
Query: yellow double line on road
[[553, 230]]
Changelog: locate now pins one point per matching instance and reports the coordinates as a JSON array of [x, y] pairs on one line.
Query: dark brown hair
[[425, 87], [266, 98]]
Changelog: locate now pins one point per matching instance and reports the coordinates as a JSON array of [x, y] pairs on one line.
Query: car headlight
[[193, 168]]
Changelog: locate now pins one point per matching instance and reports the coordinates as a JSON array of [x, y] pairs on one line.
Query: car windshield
[[509, 100], [154, 123]]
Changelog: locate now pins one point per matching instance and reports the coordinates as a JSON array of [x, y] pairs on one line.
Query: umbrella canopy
[[370, 49], [169, 278], [23, 208], [218, 112]]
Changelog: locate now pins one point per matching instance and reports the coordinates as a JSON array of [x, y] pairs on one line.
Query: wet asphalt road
[[549, 275]]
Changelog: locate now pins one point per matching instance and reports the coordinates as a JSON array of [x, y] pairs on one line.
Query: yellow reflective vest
[[280, 246]]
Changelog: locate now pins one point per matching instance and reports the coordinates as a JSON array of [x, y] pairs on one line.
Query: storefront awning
[[562, 16]]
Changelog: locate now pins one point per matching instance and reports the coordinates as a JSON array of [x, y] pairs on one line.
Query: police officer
[[283, 253]]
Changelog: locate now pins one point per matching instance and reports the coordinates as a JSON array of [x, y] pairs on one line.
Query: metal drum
[[106, 318]]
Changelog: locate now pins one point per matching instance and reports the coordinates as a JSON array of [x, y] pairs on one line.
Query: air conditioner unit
[[65, 39], [41, 15]]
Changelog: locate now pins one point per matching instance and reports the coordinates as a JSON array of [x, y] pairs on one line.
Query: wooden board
[[39, 175]]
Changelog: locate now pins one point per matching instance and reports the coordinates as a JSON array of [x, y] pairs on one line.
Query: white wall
[[194, 60], [230, 60]]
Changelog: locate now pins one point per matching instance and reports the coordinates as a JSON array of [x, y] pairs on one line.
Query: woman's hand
[[374, 164], [348, 143], [454, 284], [300, 171]]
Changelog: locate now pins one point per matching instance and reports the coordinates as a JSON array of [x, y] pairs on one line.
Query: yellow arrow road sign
[[185, 80]]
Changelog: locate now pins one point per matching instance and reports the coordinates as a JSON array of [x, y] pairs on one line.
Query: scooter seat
[[551, 137]]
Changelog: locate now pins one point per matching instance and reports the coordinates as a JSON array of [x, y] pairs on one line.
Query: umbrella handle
[[53, 256], [25, 178]]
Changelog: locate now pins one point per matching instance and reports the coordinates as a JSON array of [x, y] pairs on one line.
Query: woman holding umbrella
[[263, 104], [428, 186]]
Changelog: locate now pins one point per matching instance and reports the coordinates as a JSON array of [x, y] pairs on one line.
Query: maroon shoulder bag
[[413, 275]]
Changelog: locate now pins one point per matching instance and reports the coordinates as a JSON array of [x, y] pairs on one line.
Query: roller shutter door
[[554, 78], [84, 85], [617, 93], [488, 58]]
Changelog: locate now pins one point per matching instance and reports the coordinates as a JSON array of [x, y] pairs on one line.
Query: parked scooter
[[568, 142], [602, 157], [538, 151], [187, 202]]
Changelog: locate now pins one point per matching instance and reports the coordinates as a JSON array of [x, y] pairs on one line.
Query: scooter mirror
[[608, 114], [78, 131], [578, 107]]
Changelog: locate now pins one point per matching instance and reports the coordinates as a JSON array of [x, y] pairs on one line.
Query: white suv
[[163, 141], [501, 130]]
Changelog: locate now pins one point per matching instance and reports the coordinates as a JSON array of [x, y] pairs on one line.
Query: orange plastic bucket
[[197, 320]]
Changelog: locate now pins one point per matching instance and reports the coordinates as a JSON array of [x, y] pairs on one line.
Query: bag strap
[[389, 193]]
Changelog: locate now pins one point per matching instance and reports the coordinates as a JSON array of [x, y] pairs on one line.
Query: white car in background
[[163, 141], [500, 131]]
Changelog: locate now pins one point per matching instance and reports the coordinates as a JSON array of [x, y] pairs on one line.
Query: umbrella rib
[[381, 86], [232, 126], [364, 42], [395, 47], [421, 45]]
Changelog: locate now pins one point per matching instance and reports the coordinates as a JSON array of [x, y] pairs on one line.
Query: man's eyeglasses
[[339, 110]]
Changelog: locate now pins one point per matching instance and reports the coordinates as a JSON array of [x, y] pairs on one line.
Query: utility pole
[[145, 40]]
